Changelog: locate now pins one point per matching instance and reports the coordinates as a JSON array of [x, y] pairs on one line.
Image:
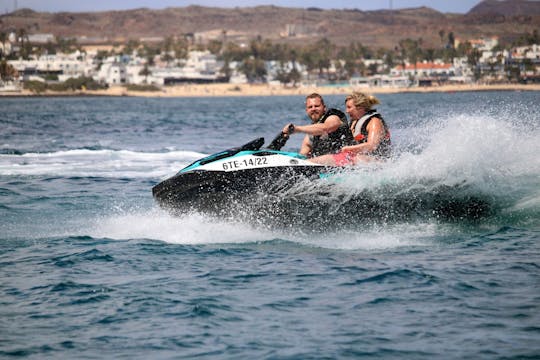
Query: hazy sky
[[455, 6]]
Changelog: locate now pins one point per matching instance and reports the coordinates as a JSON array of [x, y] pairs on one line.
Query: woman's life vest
[[360, 133], [333, 142]]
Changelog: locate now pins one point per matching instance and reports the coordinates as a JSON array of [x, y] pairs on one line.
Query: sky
[[445, 6]]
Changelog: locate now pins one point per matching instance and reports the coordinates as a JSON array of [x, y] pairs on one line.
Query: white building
[[41, 38], [66, 66], [463, 72], [202, 62], [424, 69], [398, 81], [531, 52], [377, 63], [112, 73], [482, 44], [493, 57], [200, 66], [112, 70]]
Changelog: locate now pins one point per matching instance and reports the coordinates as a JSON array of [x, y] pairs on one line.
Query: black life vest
[[360, 133], [333, 142]]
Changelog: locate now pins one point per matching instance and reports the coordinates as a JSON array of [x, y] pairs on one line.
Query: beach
[[227, 89]]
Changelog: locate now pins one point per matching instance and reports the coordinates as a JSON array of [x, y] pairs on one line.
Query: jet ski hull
[[279, 188], [207, 190], [215, 182]]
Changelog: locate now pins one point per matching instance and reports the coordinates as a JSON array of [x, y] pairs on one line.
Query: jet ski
[[276, 188], [231, 176]]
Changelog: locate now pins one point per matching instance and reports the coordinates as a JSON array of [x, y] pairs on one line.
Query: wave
[[477, 149], [462, 160], [96, 163], [464, 167], [201, 229]]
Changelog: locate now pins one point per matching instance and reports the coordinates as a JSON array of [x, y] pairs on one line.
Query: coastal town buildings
[[531, 52], [201, 66], [62, 66]]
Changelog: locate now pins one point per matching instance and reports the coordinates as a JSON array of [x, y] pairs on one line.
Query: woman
[[371, 135]]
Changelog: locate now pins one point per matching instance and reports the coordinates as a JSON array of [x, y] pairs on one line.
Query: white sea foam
[[97, 163], [198, 229], [193, 229], [496, 156], [481, 151], [372, 238]]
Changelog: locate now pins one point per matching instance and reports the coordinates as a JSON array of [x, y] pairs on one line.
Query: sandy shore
[[201, 90]]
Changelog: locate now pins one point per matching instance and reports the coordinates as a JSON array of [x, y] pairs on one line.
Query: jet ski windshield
[[250, 146]]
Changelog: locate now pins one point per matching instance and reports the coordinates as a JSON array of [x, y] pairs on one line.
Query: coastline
[[227, 89]]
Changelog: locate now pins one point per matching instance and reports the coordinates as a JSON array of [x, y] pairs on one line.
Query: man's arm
[[330, 125]]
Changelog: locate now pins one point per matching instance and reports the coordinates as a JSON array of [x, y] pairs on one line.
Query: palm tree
[[441, 35], [22, 39], [254, 69], [323, 52], [145, 71]]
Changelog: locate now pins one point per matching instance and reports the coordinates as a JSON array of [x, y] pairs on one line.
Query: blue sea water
[[92, 268]]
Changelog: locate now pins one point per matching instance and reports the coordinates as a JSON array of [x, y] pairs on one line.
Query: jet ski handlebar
[[281, 139]]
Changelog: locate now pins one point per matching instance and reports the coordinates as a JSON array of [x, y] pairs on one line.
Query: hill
[[506, 8], [507, 19]]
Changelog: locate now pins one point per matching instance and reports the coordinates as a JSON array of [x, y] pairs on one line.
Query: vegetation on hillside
[[318, 56]]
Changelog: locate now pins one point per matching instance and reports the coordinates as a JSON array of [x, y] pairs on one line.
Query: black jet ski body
[[234, 175], [278, 188]]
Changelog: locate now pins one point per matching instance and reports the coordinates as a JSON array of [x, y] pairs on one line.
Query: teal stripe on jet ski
[[231, 154]]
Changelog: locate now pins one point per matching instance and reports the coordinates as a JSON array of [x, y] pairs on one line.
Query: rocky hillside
[[506, 8], [384, 28]]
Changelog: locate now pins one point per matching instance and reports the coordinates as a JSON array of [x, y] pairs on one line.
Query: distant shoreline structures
[[227, 89], [143, 52]]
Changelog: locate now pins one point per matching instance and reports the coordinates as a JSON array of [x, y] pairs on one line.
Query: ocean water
[[92, 268]]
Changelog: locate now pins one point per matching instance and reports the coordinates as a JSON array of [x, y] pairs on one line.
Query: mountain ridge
[[507, 19]]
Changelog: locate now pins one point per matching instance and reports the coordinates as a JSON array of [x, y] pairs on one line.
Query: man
[[329, 130], [371, 134]]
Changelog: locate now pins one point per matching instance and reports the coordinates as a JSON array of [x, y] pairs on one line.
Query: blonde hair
[[362, 100]]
